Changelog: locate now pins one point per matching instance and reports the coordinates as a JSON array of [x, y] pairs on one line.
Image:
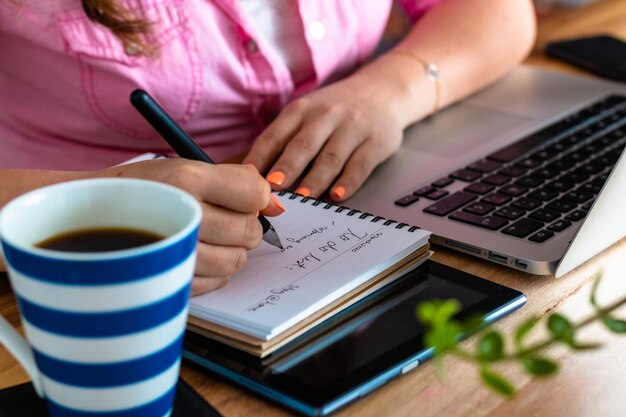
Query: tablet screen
[[377, 336]]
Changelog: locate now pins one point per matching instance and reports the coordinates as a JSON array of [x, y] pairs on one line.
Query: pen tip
[[271, 237]]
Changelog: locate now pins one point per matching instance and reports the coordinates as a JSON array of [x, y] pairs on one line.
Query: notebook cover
[[21, 401]]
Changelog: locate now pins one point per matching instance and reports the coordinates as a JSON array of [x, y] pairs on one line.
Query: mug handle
[[21, 350]]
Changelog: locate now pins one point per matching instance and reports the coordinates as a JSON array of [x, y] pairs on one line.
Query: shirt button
[[132, 48], [317, 30], [252, 46]]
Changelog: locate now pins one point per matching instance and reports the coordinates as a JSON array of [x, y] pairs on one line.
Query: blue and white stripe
[[106, 334]]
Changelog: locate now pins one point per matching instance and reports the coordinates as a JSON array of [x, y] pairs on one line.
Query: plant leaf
[[525, 328], [490, 347], [539, 366], [585, 346], [614, 325], [436, 312], [594, 291], [496, 382], [561, 328], [443, 337]]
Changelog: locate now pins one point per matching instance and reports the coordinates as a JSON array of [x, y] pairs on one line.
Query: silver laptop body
[[524, 101]]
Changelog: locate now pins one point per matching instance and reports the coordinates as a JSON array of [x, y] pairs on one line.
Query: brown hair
[[125, 25]]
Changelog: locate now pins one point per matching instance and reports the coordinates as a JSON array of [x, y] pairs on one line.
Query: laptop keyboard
[[540, 185]]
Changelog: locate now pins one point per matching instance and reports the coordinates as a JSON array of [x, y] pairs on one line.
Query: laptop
[[528, 173]]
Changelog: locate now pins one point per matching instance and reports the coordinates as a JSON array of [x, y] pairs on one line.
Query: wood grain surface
[[588, 384]]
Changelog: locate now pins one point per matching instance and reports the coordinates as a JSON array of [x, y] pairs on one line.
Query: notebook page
[[326, 254]]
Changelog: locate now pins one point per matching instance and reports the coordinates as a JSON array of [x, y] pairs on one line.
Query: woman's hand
[[231, 197], [345, 130]]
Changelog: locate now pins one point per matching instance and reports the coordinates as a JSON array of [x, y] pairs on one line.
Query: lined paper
[[326, 255]]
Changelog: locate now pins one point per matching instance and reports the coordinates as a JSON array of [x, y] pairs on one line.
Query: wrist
[[414, 96]]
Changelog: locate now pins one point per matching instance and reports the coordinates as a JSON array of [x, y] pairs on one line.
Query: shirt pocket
[[110, 70]]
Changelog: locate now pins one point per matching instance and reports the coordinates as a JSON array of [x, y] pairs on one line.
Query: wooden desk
[[589, 384]]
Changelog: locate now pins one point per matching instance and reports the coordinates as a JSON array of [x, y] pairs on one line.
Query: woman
[[291, 80]]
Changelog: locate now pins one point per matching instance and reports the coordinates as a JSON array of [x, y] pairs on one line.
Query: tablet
[[358, 350]]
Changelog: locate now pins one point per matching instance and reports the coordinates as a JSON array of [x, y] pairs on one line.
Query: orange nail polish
[[303, 191], [276, 178], [338, 192], [278, 204]]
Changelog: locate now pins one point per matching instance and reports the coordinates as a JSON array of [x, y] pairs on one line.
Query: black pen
[[184, 146]]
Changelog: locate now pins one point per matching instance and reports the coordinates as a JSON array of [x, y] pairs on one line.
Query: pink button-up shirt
[[65, 81]]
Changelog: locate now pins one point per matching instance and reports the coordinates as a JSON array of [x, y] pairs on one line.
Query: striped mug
[[104, 329]]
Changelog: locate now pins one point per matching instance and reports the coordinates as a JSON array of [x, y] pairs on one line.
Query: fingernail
[[337, 193], [303, 191], [276, 178], [274, 208], [278, 203]]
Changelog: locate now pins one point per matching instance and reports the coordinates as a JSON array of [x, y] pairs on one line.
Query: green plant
[[445, 332]]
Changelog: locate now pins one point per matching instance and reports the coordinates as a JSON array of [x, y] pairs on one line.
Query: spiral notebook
[[332, 257]]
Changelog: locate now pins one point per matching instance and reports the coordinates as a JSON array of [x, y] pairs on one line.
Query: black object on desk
[[360, 348], [22, 401], [602, 55]]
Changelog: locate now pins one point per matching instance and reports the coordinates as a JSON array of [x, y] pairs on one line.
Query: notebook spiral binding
[[351, 212]]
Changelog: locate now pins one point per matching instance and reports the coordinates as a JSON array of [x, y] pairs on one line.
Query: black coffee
[[99, 240]]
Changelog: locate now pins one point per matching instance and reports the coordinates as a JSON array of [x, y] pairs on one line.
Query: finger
[[201, 285], [236, 187], [300, 151], [359, 166], [219, 261], [224, 227], [271, 142], [330, 162], [275, 208]]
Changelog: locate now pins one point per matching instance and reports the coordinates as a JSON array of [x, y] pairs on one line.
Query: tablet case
[[21, 401]]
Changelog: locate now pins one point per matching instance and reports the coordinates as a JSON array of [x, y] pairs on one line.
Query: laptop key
[[559, 225], [437, 194], [424, 191], [510, 213], [466, 175], [541, 236], [559, 185], [527, 203], [528, 163], [513, 190], [545, 173], [529, 182], [561, 165], [544, 155], [522, 228], [512, 171], [496, 179], [450, 203], [487, 222], [587, 206], [442, 182], [496, 199], [479, 188], [591, 187], [576, 215], [578, 196], [562, 205], [575, 176], [407, 200], [478, 207], [543, 194], [484, 166], [545, 215]]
